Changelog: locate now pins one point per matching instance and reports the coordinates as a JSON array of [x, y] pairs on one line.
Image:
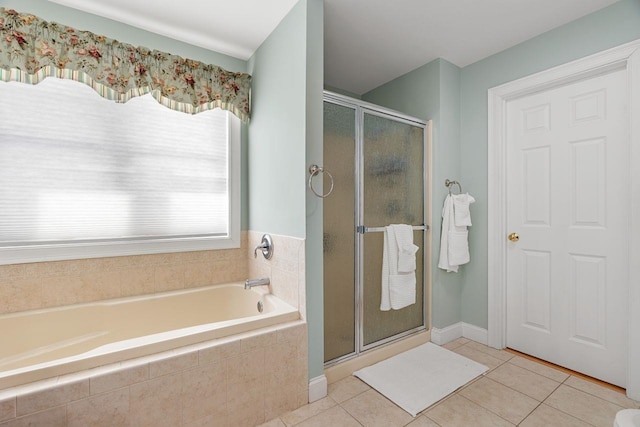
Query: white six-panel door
[[567, 193]]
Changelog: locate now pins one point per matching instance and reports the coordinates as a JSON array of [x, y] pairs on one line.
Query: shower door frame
[[360, 109]]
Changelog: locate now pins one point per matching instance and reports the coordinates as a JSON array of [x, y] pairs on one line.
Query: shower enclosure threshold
[[336, 370]]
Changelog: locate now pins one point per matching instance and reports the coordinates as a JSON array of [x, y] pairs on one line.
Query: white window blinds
[[75, 167]]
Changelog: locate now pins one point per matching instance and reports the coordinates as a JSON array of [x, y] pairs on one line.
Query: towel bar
[[362, 229]]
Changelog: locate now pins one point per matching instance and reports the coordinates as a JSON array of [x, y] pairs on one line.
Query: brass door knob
[[514, 237]]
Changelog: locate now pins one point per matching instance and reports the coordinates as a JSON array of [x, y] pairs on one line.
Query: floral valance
[[32, 49]]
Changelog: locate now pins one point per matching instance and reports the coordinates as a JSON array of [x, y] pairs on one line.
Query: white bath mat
[[418, 378]]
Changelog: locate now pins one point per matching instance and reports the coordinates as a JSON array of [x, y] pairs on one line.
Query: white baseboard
[[317, 388], [474, 333], [458, 330], [447, 334]]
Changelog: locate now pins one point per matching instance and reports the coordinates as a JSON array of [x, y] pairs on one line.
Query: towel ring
[[449, 184], [314, 170]]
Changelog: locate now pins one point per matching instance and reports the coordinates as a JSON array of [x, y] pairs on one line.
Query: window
[[82, 176]]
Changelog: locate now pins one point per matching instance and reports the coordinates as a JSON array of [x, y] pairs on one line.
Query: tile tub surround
[[51, 284], [286, 268], [56, 283], [235, 381]]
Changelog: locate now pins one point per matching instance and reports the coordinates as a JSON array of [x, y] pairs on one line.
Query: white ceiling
[[367, 42]]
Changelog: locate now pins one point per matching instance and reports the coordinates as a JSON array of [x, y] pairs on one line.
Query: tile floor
[[515, 391]]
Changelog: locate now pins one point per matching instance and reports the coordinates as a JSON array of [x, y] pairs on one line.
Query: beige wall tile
[[248, 415], [204, 392], [173, 364], [219, 420], [20, 294], [280, 357], [54, 417], [219, 352], [257, 341], [119, 378], [49, 398], [169, 277], [7, 408], [157, 402], [248, 367], [279, 401], [108, 410], [296, 334], [197, 274], [273, 423], [137, 281]]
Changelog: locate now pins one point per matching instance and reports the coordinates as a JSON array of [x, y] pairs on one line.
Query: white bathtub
[[40, 344]]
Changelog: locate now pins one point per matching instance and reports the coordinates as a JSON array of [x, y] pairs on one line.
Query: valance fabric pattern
[[32, 49]]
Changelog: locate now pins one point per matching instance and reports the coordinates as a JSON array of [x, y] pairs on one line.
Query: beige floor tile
[[479, 356], [307, 411], [524, 381], [423, 421], [545, 416], [539, 368], [372, 409], [499, 399], [347, 388], [273, 423], [457, 411], [455, 343], [601, 392], [498, 354], [584, 406], [332, 417]]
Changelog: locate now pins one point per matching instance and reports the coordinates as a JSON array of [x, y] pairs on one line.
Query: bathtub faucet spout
[[250, 283]]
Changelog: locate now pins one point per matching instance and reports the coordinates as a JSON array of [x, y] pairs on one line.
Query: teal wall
[[277, 131], [285, 136], [609, 27], [432, 92], [314, 242], [456, 100], [122, 32]]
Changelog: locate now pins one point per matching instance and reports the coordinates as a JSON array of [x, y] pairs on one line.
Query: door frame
[[625, 57]]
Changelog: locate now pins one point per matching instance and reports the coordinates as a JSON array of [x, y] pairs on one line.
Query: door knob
[[514, 237]]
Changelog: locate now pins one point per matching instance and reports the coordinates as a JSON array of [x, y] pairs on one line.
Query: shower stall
[[378, 160]]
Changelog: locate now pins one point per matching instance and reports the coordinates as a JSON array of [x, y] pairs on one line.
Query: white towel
[[454, 243], [398, 290], [462, 214], [406, 249]]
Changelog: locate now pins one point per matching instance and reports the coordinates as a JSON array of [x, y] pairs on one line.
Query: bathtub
[[40, 344]]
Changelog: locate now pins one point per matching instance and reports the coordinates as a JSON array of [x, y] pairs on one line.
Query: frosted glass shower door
[[392, 180], [338, 234]]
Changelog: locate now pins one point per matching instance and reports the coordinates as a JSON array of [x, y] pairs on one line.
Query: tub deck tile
[[120, 378], [179, 362], [54, 417], [7, 409], [104, 410], [50, 397]]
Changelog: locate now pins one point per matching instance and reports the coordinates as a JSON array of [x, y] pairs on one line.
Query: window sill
[[47, 253]]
